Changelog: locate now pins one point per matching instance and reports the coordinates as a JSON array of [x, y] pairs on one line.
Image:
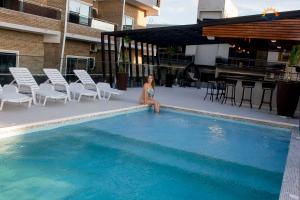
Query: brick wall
[[78, 48], [140, 20], [83, 30], [15, 17], [52, 55], [111, 11], [30, 47]]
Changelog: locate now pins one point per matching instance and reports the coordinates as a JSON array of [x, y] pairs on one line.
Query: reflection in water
[[217, 131]]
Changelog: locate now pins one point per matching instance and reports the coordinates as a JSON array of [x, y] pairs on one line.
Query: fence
[[99, 71]]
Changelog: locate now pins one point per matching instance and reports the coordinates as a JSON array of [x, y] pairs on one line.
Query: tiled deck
[[190, 98]]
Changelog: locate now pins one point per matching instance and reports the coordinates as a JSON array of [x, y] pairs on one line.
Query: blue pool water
[[145, 156]]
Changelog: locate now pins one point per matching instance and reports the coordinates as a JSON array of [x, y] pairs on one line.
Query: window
[[7, 60], [79, 62], [79, 12], [128, 23]]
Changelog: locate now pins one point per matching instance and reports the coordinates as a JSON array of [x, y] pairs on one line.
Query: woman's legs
[[155, 104]]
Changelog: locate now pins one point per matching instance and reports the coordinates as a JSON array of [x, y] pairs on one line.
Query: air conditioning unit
[[93, 48]]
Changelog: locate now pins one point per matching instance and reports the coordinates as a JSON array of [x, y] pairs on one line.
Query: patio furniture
[[210, 90], [103, 90], [247, 85], [267, 86], [24, 79], [77, 89], [230, 85], [60, 84], [221, 86], [10, 93]]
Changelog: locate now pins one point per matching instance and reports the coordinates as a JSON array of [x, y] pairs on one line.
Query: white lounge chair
[[24, 79], [10, 93], [104, 90], [77, 89], [60, 83]]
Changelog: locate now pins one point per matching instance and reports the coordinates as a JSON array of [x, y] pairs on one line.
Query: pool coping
[[20, 129], [234, 117], [11, 131], [290, 189]]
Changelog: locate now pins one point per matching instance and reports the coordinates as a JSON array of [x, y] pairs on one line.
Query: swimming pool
[[142, 155]]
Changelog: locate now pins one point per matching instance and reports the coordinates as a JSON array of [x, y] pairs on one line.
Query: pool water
[[144, 156]]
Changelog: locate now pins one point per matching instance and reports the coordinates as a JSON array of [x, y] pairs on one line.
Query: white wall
[[273, 56], [210, 15], [230, 9], [190, 50], [206, 54], [215, 9], [211, 5]]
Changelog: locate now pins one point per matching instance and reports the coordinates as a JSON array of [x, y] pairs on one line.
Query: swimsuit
[[150, 92]]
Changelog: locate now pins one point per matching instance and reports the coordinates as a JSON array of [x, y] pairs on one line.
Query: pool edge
[[233, 117], [23, 128], [290, 188]]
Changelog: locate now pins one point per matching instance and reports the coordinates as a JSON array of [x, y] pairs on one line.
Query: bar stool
[[267, 86], [230, 84], [247, 85], [221, 86], [210, 90]]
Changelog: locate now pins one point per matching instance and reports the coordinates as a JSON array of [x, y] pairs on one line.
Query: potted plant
[[169, 76], [288, 91], [122, 76]]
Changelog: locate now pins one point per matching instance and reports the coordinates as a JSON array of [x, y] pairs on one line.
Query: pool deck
[[189, 98], [15, 117]]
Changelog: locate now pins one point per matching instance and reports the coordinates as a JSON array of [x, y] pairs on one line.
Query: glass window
[[86, 63], [7, 60], [79, 13], [74, 6], [84, 10], [128, 23]]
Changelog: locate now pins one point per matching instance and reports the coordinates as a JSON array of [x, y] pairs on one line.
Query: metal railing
[[250, 63], [100, 71], [33, 9]]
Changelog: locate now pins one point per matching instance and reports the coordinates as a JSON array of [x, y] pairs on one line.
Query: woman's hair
[[153, 81]]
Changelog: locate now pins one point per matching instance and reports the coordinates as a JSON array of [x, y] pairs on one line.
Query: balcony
[[150, 6], [24, 22], [33, 9], [87, 28]]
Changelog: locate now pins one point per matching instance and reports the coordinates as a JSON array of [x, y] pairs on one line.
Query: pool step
[[219, 170]]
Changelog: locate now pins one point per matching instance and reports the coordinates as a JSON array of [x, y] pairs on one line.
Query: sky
[[185, 11]]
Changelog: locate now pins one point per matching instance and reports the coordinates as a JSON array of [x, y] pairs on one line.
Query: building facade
[[39, 33], [207, 9]]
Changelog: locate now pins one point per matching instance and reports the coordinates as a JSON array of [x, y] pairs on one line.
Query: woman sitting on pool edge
[[147, 97]]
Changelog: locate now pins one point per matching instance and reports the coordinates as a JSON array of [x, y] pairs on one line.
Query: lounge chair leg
[[34, 98], [79, 98], [109, 95], [45, 100], [29, 103], [1, 106]]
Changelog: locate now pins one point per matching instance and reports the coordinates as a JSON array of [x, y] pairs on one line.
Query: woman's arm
[[145, 94]]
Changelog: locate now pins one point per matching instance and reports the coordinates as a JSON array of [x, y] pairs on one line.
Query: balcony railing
[[32, 9], [91, 22], [151, 2]]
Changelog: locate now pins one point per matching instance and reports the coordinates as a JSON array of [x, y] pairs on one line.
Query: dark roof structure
[[167, 36], [182, 35]]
